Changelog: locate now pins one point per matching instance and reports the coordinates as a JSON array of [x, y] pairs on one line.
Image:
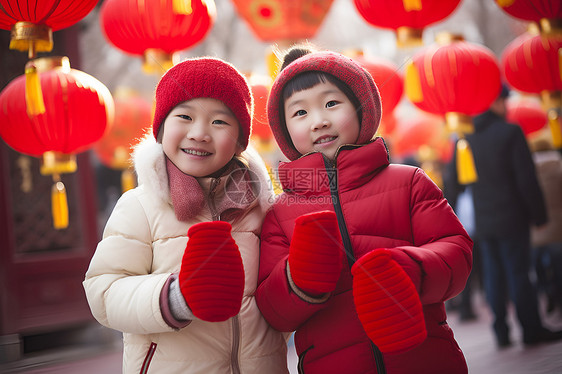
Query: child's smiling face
[[200, 136], [321, 118]]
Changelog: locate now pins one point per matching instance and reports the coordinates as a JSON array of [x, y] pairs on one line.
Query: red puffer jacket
[[378, 206]]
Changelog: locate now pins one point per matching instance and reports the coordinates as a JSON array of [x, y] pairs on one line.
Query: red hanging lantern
[[547, 14], [32, 22], [424, 138], [411, 134], [275, 20], [156, 29], [390, 83], [526, 113], [260, 123], [533, 64], [456, 79], [78, 108], [407, 18], [133, 117], [388, 78], [388, 124]]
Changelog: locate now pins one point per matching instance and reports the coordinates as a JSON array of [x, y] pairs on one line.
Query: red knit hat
[[205, 77], [345, 69]]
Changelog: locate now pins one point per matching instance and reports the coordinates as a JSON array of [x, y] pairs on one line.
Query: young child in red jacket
[[357, 255]]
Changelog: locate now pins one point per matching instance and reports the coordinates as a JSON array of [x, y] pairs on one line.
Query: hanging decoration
[[133, 117], [533, 64], [411, 133], [546, 14], [156, 29], [32, 22], [407, 18], [262, 137], [456, 79], [260, 124], [527, 113], [389, 81], [281, 20], [422, 137], [78, 109]]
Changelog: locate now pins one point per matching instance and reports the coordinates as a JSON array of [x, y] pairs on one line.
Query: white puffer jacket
[[142, 246]]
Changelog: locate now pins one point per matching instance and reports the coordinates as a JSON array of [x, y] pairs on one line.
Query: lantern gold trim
[[121, 160], [446, 38], [44, 64], [27, 36], [409, 36], [459, 123], [550, 26], [551, 99], [156, 61], [56, 163]]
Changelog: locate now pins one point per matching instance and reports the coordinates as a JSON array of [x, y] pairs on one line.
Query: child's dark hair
[[310, 79]]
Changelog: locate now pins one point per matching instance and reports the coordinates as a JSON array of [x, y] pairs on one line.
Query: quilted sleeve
[[279, 304], [442, 249], [121, 291]]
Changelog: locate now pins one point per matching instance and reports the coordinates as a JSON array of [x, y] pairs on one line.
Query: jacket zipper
[[148, 358], [333, 181], [212, 205], [234, 361]]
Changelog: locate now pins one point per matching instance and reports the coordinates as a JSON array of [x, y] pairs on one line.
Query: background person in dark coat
[[507, 201]]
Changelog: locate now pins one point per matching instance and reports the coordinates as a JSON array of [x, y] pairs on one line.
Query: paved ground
[[475, 339]]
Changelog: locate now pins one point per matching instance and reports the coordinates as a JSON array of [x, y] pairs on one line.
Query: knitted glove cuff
[[300, 293], [178, 305]]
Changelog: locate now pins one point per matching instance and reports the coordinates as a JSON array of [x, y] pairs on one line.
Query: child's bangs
[[303, 82], [310, 79]]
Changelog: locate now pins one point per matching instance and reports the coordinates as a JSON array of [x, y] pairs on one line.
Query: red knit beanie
[[341, 67], [205, 77]]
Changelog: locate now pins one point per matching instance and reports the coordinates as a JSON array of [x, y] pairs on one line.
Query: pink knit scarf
[[188, 197]]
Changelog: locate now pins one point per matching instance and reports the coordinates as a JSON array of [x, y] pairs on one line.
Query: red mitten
[[211, 277], [387, 303], [316, 252]]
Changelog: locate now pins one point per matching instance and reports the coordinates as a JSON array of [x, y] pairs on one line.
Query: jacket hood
[[345, 69]]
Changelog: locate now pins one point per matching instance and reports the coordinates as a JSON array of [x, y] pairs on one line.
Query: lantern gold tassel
[[555, 130], [33, 95], [466, 170], [413, 84], [59, 206], [182, 7], [127, 180]]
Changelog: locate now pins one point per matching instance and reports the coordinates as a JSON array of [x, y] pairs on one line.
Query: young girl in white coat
[[176, 270]]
